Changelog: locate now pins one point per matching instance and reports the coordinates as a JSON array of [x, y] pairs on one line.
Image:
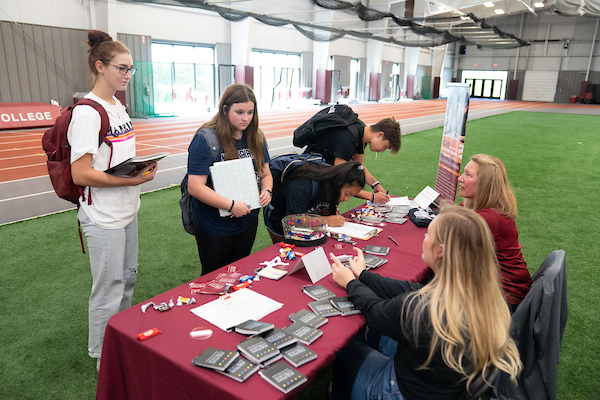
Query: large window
[[183, 78], [276, 78]]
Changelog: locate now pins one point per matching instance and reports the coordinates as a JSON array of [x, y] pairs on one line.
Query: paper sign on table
[[316, 264], [399, 201], [426, 197]]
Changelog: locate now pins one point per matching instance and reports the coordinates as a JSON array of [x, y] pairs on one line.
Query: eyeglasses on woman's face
[[124, 70]]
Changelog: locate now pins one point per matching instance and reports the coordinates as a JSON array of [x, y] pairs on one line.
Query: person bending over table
[[484, 186], [313, 189], [428, 342], [338, 146], [224, 240]]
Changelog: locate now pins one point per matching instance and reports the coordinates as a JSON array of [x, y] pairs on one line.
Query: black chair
[[479, 386], [539, 323]]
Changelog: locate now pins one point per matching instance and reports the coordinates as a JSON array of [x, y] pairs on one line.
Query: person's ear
[[440, 251], [380, 135], [99, 67]]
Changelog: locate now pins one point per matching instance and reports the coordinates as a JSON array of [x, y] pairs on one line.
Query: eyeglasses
[[125, 70]]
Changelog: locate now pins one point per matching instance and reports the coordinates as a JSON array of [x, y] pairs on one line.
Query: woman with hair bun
[[108, 208], [428, 342], [484, 186]]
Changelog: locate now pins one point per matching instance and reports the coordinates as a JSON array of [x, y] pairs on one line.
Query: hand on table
[[335, 220], [381, 197], [342, 275]]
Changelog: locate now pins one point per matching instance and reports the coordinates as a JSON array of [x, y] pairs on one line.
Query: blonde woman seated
[[484, 186], [428, 342]]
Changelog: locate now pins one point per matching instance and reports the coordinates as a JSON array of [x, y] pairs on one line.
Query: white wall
[[60, 13], [173, 23]]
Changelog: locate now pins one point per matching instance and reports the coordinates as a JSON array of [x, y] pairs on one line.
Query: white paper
[[236, 180], [357, 231], [243, 305], [399, 201], [426, 197], [316, 264]]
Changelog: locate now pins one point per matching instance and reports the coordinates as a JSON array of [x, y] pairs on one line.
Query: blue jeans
[[364, 370], [113, 261]]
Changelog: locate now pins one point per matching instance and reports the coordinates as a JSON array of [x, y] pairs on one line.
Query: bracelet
[[375, 184], [232, 203], [270, 193]]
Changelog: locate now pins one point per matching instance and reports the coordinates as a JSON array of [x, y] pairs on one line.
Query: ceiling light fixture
[[488, 4], [538, 4], [499, 11]]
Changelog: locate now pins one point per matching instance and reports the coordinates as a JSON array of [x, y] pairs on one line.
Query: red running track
[[22, 156]]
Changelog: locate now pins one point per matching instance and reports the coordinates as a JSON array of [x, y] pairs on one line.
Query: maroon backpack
[[58, 149]]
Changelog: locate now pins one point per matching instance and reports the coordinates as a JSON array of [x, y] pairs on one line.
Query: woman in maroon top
[[484, 186]]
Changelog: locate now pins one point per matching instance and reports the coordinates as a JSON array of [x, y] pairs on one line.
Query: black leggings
[[218, 251]]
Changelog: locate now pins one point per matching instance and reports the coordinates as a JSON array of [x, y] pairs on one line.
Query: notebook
[[253, 327], [308, 318], [236, 180], [318, 292], [215, 358], [376, 250], [298, 354], [283, 376], [240, 369], [345, 306], [374, 261], [278, 337], [257, 349], [324, 308], [303, 333]]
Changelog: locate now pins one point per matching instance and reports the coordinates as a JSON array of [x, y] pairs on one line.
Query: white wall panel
[[173, 24], [62, 13], [283, 38], [540, 86]]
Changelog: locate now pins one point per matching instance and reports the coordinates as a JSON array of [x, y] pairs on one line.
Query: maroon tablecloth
[[160, 367]]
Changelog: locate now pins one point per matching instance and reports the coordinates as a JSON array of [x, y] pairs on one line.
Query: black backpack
[[335, 116], [283, 164], [187, 216]]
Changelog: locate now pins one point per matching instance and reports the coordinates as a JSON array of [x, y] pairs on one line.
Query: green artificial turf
[[552, 161]]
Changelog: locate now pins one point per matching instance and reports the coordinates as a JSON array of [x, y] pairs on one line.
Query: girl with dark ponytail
[[314, 189]]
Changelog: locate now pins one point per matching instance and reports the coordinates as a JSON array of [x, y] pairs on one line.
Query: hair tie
[[360, 167]]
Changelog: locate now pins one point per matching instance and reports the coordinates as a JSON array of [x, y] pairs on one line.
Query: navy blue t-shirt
[[207, 217]]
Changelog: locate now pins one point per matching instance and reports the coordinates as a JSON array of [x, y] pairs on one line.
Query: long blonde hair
[[493, 189], [238, 93], [470, 319]]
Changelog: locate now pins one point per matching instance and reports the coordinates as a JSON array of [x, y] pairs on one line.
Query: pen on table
[[394, 240]]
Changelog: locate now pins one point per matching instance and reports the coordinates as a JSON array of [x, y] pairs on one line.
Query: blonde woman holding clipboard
[[231, 134]]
